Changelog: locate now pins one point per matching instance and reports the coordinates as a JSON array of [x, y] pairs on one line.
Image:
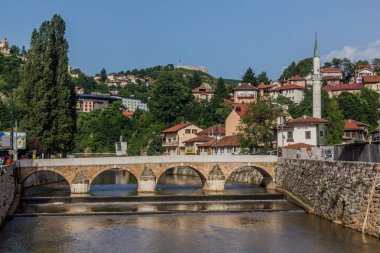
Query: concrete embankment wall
[[7, 191], [344, 192]]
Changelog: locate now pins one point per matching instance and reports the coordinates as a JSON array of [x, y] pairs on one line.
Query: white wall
[[298, 135]]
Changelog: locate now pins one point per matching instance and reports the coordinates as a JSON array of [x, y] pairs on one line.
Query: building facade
[[245, 93], [175, 136], [132, 104]]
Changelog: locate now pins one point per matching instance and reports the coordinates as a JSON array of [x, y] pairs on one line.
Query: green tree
[[353, 106], [327, 65], [302, 68], [100, 129], [372, 99], [336, 126], [103, 75], [376, 63], [256, 126], [48, 93], [195, 80], [263, 78], [169, 97], [337, 63], [249, 77]]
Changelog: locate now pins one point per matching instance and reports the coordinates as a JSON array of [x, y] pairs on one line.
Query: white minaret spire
[[316, 81]]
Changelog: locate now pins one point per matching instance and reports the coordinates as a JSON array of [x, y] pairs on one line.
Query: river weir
[[179, 217]]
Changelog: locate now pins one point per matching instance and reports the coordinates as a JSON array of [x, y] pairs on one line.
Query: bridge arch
[[50, 170], [266, 173], [107, 168], [201, 174]]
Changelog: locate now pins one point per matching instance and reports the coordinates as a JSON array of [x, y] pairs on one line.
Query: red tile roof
[[203, 89], [201, 138], [216, 129], [341, 87], [241, 109], [307, 120], [371, 79], [330, 78], [228, 141], [177, 127], [208, 144], [299, 145], [245, 86], [128, 113], [353, 125], [288, 87], [266, 86], [331, 70], [296, 78]]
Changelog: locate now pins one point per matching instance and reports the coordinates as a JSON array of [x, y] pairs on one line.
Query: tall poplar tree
[[48, 94]]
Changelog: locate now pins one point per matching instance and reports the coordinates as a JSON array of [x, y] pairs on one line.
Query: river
[[114, 218]]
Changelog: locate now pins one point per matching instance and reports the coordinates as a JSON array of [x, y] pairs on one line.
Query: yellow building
[[175, 136]]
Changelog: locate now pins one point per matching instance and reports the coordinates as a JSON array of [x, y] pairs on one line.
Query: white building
[[359, 74], [132, 104], [291, 91], [306, 130]]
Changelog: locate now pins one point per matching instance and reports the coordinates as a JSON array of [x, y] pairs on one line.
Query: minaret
[[316, 81]]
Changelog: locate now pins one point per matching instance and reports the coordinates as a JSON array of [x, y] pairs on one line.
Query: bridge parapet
[[147, 160]]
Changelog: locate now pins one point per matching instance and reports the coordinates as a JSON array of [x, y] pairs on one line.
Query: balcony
[[170, 144]]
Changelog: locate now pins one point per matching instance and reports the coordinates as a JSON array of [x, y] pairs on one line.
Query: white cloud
[[368, 52]]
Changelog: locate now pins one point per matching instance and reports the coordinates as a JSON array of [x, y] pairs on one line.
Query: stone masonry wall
[[344, 192], [7, 191]]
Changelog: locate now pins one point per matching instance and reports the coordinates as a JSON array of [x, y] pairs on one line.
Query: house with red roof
[[305, 130], [354, 131], [191, 146], [294, 92], [372, 83], [265, 89], [362, 71], [296, 80], [203, 92], [215, 132], [229, 145], [332, 76], [174, 137], [245, 93], [336, 90]]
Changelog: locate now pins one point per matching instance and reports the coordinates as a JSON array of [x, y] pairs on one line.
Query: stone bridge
[[213, 170]]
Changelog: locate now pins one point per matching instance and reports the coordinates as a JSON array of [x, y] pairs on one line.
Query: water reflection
[[243, 232]]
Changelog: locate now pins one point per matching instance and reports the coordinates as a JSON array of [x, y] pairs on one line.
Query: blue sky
[[227, 36]]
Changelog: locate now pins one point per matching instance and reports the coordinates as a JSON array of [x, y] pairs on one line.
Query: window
[[194, 131], [307, 135], [290, 135], [187, 131], [321, 133]]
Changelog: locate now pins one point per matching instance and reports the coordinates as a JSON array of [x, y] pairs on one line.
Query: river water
[[244, 219]]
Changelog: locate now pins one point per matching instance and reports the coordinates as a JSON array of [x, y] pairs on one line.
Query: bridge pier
[[80, 184], [147, 181], [214, 185], [146, 186], [80, 188]]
